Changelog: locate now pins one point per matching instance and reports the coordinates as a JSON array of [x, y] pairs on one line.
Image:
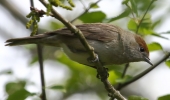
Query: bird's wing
[[97, 31]]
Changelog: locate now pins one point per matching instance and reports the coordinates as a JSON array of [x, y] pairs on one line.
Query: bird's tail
[[26, 40]]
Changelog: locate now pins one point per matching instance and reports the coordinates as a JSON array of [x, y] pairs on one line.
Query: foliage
[[57, 3], [82, 78], [16, 90], [93, 17], [165, 97], [167, 63], [136, 98]]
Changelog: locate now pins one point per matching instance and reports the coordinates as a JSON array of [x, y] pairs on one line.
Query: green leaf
[[165, 97], [145, 31], [167, 63], [12, 87], [145, 26], [122, 15], [58, 87], [132, 25], [123, 80], [94, 6], [154, 46], [93, 17], [113, 76], [33, 60], [21, 94], [157, 35], [133, 97]]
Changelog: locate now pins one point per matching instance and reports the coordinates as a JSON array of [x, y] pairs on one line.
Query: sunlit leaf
[[132, 25], [167, 63], [154, 46], [113, 76], [145, 31], [123, 80], [93, 17], [133, 97], [165, 97], [117, 68]]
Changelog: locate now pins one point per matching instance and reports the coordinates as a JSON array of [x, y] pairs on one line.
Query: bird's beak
[[148, 60]]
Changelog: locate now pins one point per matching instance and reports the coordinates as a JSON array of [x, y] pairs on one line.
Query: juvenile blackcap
[[112, 44]]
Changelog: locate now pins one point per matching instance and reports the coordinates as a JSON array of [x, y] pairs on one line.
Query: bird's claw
[[105, 74], [93, 60]]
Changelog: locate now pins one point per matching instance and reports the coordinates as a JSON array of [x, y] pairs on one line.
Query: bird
[[112, 44]]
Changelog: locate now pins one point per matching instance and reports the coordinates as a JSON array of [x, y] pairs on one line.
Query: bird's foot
[[105, 74], [93, 60]]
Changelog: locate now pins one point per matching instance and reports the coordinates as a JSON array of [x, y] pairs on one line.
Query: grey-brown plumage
[[113, 44], [90, 31]]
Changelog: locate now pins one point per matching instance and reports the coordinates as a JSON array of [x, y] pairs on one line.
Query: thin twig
[[145, 72], [144, 15], [123, 75], [40, 59], [114, 93], [125, 70], [86, 10]]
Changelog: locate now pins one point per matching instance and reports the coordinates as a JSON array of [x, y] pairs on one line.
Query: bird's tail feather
[[22, 41]]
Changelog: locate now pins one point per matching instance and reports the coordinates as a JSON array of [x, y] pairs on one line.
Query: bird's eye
[[141, 49]]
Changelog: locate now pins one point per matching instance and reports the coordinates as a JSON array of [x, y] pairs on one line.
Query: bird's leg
[[105, 72], [93, 60]]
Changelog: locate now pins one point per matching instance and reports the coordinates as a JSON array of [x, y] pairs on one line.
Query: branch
[[112, 92], [145, 72]]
